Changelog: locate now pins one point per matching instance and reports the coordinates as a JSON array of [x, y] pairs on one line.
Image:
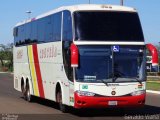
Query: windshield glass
[[107, 26], [129, 63], [95, 63], [101, 64]]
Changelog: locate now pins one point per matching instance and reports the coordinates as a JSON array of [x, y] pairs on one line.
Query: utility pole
[[89, 1], [121, 2]]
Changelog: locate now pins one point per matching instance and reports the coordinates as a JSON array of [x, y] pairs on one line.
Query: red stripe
[[38, 71]]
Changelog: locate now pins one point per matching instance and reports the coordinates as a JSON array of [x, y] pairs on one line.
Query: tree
[[6, 53], [9, 54], [2, 54]]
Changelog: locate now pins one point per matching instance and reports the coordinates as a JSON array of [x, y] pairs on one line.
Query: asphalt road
[[14, 107]]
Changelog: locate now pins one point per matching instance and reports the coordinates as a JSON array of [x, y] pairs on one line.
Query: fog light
[[85, 93], [136, 93]]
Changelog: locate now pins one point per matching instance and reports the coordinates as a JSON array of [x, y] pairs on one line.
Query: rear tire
[[28, 95], [62, 107], [23, 90]]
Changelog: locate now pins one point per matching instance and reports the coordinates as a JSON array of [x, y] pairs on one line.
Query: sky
[[14, 11]]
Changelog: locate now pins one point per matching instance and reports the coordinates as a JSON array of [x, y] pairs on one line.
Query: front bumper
[[103, 102]]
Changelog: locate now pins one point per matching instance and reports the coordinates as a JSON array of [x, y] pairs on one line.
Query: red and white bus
[[84, 56]]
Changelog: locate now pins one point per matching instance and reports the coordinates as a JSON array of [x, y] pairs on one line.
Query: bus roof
[[87, 7]]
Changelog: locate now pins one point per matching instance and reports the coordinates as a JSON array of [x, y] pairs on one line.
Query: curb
[[151, 91], [7, 72], [153, 76], [3, 72]]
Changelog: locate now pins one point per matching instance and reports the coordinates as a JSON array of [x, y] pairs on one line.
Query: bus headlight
[[85, 93], [136, 93]]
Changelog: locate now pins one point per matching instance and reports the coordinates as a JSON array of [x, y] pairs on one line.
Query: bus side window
[[48, 29], [34, 30], [67, 40], [67, 59], [67, 26], [15, 32], [27, 39], [56, 26], [19, 40], [41, 29]]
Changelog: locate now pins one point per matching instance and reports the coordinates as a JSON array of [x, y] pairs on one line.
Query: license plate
[[112, 102]]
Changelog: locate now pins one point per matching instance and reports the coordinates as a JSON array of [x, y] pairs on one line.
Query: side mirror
[[74, 55]]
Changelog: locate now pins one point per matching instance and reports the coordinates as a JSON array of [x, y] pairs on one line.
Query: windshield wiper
[[104, 82], [116, 77], [138, 80], [117, 74]]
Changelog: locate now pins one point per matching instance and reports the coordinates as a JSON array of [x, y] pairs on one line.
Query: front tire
[[62, 107]]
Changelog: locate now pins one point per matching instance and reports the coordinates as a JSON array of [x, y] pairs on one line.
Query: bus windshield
[[101, 64], [107, 26]]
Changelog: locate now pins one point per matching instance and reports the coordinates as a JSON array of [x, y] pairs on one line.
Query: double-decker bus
[[84, 56]]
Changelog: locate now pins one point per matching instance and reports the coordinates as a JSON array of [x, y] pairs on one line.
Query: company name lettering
[[48, 52], [113, 84]]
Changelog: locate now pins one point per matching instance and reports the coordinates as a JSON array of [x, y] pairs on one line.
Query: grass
[[152, 85]]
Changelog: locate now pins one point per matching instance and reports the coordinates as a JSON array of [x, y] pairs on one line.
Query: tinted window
[[67, 40], [27, 38], [34, 35], [67, 26], [41, 29], [100, 63], [15, 34], [48, 29], [103, 26], [95, 63], [21, 35], [56, 19]]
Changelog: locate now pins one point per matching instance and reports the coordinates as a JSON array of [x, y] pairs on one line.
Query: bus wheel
[[28, 94], [62, 107], [23, 89]]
